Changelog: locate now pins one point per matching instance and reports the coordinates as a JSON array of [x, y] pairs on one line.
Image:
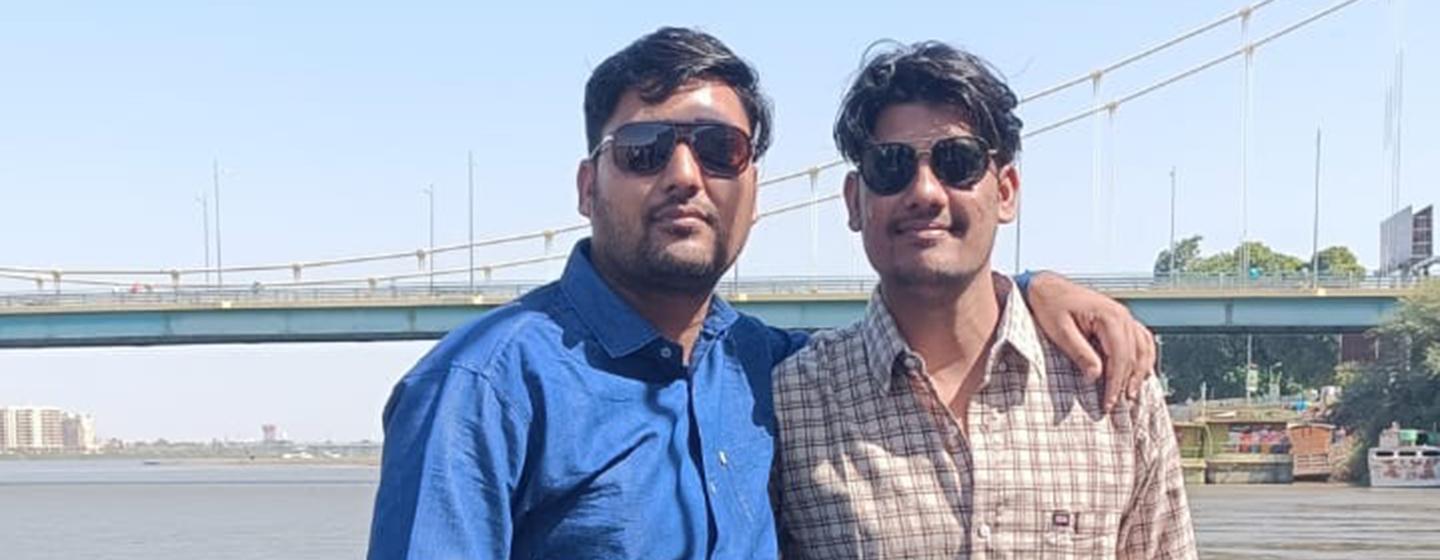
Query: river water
[[124, 510]]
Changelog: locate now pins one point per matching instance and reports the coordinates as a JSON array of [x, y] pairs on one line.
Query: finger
[[1118, 345], [1076, 346], [1145, 364], [1152, 358]]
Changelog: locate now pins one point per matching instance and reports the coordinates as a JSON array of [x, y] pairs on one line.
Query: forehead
[[693, 101], [910, 122]]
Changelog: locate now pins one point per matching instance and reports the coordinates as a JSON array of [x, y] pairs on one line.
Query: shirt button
[[911, 363], [723, 459], [984, 531], [666, 353]]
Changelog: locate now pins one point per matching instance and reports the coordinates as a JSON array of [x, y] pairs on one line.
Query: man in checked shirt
[[944, 424]]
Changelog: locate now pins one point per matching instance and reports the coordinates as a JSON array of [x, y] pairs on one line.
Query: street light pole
[[1173, 272], [204, 202], [430, 253], [470, 187], [1244, 248], [1315, 236], [219, 246]]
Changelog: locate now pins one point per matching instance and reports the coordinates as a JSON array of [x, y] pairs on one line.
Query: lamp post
[[204, 203], [430, 251]]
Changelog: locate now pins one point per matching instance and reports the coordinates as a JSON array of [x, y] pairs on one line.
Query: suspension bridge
[[401, 295]]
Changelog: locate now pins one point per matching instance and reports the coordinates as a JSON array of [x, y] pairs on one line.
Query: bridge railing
[[262, 295], [1230, 282], [489, 292]]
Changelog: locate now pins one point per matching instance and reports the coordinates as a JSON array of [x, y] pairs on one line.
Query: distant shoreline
[[170, 460]]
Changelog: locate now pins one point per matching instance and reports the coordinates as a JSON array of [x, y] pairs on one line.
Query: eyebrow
[[926, 139]]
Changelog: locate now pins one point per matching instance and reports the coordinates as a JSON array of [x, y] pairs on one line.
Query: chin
[[684, 265], [687, 254], [928, 274]]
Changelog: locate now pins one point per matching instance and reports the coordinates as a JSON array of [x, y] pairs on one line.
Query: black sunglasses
[[959, 162], [644, 148]]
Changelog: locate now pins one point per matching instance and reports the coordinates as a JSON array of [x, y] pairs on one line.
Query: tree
[[1187, 251], [1308, 361], [1263, 259], [1338, 261], [1218, 361], [1404, 386]]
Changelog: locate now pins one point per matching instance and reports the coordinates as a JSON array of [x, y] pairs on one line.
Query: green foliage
[[1404, 386], [1333, 261], [1338, 261], [1187, 251], [1308, 361], [1218, 361]]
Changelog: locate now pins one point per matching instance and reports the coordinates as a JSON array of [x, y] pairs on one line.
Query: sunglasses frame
[[987, 155], [684, 132]]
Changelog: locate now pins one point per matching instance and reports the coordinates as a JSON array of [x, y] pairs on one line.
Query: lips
[[925, 228], [681, 217], [916, 226]]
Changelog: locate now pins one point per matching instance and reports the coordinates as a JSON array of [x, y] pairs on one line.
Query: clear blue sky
[[331, 117]]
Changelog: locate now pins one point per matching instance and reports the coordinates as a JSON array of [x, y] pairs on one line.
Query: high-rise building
[[80, 433], [30, 429], [270, 433]]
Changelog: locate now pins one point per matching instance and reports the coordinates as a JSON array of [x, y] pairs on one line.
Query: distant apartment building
[[80, 433], [45, 429]]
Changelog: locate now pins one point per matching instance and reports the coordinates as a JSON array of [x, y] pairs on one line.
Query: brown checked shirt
[[871, 463]]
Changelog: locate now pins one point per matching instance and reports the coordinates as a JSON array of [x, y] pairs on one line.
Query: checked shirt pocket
[[1076, 534]]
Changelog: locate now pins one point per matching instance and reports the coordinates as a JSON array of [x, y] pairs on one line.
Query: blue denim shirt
[[563, 425]]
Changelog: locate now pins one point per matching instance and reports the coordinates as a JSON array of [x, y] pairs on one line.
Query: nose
[[682, 177], [926, 190]]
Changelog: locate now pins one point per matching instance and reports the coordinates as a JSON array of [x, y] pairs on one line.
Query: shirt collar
[[885, 348], [1017, 328], [889, 355], [615, 324]]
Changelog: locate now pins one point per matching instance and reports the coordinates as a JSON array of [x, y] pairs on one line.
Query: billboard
[[1397, 240], [1406, 238], [1423, 234]]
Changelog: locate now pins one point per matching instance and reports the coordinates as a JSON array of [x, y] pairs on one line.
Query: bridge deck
[[414, 313]]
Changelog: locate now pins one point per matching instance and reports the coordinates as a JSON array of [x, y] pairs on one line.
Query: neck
[[950, 325], [677, 315]]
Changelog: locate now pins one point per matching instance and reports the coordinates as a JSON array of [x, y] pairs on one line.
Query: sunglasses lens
[[643, 148], [887, 168], [958, 162], [723, 151]]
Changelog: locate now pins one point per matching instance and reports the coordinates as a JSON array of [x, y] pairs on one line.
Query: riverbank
[[161, 460]]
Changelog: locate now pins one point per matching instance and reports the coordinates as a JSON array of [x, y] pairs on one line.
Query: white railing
[[492, 292]]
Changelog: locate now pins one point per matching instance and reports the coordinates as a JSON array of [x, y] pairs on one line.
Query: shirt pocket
[[1076, 534], [747, 461]]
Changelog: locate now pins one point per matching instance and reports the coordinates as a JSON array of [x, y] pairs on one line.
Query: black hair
[[935, 73], [661, 62]]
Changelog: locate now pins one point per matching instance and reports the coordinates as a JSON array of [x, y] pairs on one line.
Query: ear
[[1008, 193], [585, 186], [852, 201], [754, 183]]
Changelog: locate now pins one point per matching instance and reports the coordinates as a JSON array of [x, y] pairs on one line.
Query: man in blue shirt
[[624, 411]]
